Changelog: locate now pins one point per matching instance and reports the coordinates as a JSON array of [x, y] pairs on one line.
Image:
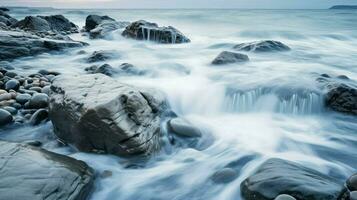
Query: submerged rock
[[143, 30], [184, 128], [227, 57], [19, 44], [225, 175], [277, 176], [104, 29], [29, 172], [342, 98], [92, 21], [262, 46], [96, 113], [105, 69], [103, 55]]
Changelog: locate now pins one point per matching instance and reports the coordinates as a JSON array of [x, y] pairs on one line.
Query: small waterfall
[[158, 34], [284, 101]]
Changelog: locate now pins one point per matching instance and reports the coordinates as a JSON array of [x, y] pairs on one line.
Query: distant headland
[[340, 7]]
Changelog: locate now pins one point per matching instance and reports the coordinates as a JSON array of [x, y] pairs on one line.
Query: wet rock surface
[[227, 57], [98, 114], [92, 21], [15, 44], [6, 19], [184, 128], [262, 46], [342, 98], [102, 55], [277, 176], [143, 30], [29, 172]]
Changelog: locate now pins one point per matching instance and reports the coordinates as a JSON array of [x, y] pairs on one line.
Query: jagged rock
[[29, 172], [277, 176], [19, 44], [7, 19], [104, 29], [98, 114], [92, 21], [32, 23], [143, 30], [59, 23], [105, 69], [262, 46], [102, 55], [342, 98], [227, 57]]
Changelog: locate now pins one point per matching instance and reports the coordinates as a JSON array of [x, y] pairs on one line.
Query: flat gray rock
[[29, 172], [99, 114], [227, 57]]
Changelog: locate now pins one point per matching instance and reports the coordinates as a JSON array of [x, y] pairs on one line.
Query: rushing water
[[268, 107]]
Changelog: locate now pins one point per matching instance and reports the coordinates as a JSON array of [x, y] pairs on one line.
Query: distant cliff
[[344, 7]]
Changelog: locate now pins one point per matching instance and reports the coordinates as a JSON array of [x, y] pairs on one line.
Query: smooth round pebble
[[284, 197], [46, 90], [184, 128], [5, 96], [352, 183], [23, 98], [10, 109], [12, 84], [224, 175], [11, 74], [353, 195], [5, 117], [37, 89], [39, 100]]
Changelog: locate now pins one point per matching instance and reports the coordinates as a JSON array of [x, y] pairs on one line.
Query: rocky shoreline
[[98, 114]]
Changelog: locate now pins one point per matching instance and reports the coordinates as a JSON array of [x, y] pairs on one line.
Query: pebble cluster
[[24, 99]]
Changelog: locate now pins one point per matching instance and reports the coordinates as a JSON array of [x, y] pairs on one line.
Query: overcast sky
[[291, 4]]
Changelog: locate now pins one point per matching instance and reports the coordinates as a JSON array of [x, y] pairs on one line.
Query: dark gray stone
[[23, 98], [342, 98], [143, 30], [105, 69], [103, 55], [15, 44], [225, 175], [12, 84], [277, 176], [59, 23], [92, 21], [5, 117], [227, 57], [184, 128], [10, 109], [352, 183], [6, 19], [39, 116], [38, 100], [98, 114], [32, 23], [262, 46], [29, 172]]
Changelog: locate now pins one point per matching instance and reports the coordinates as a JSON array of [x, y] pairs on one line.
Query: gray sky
[[291, 4]]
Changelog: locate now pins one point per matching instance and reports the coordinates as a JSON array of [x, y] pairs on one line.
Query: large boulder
[[32, 23], [227, 57], [262, 46], [59, 23], [7, 19], [92, 21], [29, 172], [143, 30], [19, 44], [342, 98], [98, 114], [277, 176]]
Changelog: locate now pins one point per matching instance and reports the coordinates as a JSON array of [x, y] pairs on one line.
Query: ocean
[[268, 107]]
